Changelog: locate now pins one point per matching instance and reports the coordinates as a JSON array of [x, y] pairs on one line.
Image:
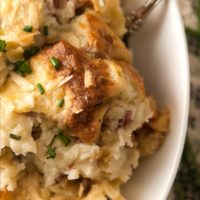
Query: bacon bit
[[127, 119]]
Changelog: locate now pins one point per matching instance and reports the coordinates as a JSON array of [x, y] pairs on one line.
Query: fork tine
[[136, 18]]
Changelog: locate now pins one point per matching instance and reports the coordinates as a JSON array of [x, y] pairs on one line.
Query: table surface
[[187, 183]]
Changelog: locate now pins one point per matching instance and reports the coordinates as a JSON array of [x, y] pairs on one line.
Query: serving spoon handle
[[136, 18]]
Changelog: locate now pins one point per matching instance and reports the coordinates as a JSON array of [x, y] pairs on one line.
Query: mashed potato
[[75, 117]]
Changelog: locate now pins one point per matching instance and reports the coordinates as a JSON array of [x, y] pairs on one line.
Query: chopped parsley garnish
[[15, 137], [22, 67], [46, 30], [31, 51], [55, 62], [65, 140], [3, 45], [28, 29], [51, 151], [60, 103], [40, 88]]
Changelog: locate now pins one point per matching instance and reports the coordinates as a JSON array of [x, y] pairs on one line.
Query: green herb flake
[[40, 88], [28, 29], [23, 68], [55, 62], [65, 140], [51, 151], [60, 103], [15, 137], [46, 30], [31, 51], [3, 46]]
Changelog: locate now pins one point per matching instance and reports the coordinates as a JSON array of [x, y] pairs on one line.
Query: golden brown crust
[[148, 141], [161, 122], [75, 63], [6, 196], [93, 82], [98, 39], [90, 132], [106, 41], [152, 135]]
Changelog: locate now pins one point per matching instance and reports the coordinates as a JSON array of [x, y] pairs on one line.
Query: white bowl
[[160, 54]]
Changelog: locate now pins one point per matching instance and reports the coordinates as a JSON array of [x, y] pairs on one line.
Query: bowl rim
[[182, 132], [186, 109]]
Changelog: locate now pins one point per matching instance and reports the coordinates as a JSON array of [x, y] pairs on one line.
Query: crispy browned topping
[[104, 40], [75, 62], [153, 133], [6, 196], [107, 43], [91, 83]]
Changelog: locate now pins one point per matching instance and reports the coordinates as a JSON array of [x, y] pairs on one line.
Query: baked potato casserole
[[75, 118]]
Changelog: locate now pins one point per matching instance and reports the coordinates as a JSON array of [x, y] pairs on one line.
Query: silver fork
[[135, 19]]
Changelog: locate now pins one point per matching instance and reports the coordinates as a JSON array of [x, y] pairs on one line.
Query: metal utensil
[[135, 19]]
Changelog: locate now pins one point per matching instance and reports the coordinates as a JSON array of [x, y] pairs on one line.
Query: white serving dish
[[160, 54]]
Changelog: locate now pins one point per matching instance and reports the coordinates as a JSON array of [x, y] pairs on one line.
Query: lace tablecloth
[[187, 184]]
